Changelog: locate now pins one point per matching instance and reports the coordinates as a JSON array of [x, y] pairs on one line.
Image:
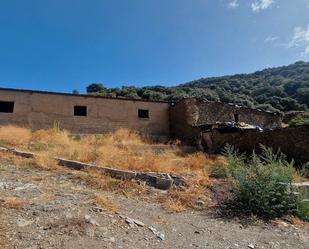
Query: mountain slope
[[276, 89]]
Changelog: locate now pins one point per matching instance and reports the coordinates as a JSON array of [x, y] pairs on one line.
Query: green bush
[[300, 119], [259, 186], [305, 170], [219, 171], [302, 210]]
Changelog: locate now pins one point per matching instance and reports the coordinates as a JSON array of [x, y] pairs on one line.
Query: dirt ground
[[54, 209]]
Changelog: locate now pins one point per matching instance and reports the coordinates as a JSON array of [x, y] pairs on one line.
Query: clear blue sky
[[61, 45]]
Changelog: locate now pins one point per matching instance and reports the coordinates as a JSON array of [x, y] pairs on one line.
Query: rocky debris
[[159, 235], [132, 222], [91, 221], [98, 209], [26, 187], [109, 239], [139, 223], [23, 223], [251, 246], [4, 186], [59, 216]]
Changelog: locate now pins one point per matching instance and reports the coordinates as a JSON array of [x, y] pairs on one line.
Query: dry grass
[[12, 202], [122, 149], [105, 202], [109, 184], [173, 205], [14, 136], [3, 238], [181, 200], [295, 221]]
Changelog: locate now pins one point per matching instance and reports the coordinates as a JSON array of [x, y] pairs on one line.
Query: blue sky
[[61, 45]]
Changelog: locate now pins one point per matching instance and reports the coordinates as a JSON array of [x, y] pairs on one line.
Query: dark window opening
[[7, 106], [143, 113], [236, 118], [80, 110]]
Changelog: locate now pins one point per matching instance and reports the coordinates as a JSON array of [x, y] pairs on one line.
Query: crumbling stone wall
[[292, 141], [190, 113], [182, 117]]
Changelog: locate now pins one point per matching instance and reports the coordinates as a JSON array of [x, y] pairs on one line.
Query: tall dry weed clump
[[14, 136], [45, 139], [123, 149]]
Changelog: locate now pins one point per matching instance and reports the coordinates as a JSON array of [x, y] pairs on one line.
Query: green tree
[[95, 88]]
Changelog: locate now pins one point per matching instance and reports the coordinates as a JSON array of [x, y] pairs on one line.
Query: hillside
[[283, 89]]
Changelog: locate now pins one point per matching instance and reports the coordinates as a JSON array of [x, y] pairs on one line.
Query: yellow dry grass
[[105, 202], [14, 136], [123, 149], [295, 221], [3, 239], [12, 202]]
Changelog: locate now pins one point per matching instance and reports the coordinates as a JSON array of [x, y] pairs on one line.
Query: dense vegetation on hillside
[[276, 89]]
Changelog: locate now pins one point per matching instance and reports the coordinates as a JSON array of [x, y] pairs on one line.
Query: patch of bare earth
[[59, 208]]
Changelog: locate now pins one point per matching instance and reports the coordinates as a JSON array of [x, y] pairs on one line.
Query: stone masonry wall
[[188, 113], [292, 141]]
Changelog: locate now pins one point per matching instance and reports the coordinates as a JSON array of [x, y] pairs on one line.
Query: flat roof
[[80, 95]]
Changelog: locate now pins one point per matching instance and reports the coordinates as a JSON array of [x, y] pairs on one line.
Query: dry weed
[[3, 238], [107, 183], [173, 205], [14, 136], [295, 221], [46, 160], [181, 200], [105, 202], [123, 149], [12, 202]]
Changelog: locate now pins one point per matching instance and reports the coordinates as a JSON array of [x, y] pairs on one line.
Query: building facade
[[86, 114], [82, 113]]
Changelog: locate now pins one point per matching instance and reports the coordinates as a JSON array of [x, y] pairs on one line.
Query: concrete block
[[74, 164], [302, 188], [23, 153], [117, 173]]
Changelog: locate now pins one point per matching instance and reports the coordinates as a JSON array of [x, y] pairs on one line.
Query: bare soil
[[54, 209]]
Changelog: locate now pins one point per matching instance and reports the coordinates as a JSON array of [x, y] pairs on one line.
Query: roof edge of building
[[81, 95]]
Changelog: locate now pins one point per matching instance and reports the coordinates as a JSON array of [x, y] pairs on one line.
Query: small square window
[[80, 110], [142, 113], [7, 106]]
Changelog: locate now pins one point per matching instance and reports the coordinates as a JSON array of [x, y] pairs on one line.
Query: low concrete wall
[[292, 141], [155, 179]]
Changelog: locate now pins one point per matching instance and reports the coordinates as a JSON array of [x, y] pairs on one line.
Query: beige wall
[[40, 110]]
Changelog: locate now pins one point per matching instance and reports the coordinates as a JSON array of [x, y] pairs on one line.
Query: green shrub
[[259, 186], [305, 170], [302, 210], [219, 171], [300, 119]]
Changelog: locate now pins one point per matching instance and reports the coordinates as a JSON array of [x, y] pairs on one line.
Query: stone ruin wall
[[292, 141], [191, 112]]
